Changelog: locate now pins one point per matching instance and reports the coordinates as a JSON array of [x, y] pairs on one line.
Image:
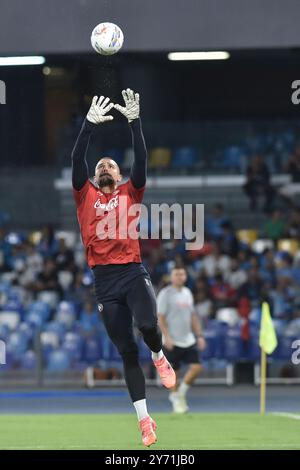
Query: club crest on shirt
[[112, 204], [100, 307]]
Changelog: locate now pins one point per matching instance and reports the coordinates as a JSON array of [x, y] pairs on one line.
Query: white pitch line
[[287, 415]]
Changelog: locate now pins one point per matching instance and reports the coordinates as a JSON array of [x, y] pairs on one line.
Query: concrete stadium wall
[[40, 26]]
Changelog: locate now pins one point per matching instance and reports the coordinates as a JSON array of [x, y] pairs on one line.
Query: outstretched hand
[[131, 110], [98, 110]]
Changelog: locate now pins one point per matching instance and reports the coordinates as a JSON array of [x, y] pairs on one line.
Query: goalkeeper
[[122, 285]]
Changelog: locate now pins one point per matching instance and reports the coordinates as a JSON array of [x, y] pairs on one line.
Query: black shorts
[[113, 281], [177, 355], [125, 297]]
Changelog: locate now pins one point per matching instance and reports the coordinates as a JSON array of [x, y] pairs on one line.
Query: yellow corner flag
[[267, 334], [267, 342]]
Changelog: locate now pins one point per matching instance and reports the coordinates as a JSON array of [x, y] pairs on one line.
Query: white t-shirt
[[177, 305]]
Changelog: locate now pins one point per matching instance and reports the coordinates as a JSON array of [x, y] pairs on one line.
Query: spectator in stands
[[47, 280], [258, 183], [216, 262], [222, 294], [282, 299], [229, 241], [252, 288], [214, 221], [284, 265], [48, 244], [34, 260], [203, 306], [267, 269], [64, 257], [274, 227], [237, 276], [292, 167]]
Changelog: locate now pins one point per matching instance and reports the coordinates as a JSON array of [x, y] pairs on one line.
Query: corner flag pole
[[263, 374]]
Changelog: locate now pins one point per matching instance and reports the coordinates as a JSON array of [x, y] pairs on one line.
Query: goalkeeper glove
[[98, 110], [132, 105]]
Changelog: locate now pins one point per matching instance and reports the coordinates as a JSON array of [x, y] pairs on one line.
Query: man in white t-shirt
[[182, 336]]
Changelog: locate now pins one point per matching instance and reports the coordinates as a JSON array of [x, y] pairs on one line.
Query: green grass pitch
[[119, 431]]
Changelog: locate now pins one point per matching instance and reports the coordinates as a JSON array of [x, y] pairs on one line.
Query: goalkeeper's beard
[[105, 180]]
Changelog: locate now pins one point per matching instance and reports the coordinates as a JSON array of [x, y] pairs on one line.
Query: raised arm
[[131, 111], [95, 116]]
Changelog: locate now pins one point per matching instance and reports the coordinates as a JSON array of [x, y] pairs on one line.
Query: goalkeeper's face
[[107, 173]]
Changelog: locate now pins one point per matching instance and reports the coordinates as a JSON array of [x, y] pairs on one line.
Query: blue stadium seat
[[73, 344], [17, 344], [28, 360], [184, 157], [56, 327], [34, 319], [232, 158], [92, 350], [144, 351], [40, 308], [13, 304], [284, 349], [211, 338], [253, 346], [58, 361], [233, 345], [4, 332], [27, 330]]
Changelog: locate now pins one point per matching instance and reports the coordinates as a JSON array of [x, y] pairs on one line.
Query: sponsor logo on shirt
[[112, 204]]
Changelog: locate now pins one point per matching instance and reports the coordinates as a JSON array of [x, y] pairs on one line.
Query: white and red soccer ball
[[107, 38]]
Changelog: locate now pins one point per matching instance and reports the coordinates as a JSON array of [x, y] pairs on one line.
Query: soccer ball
[[107, 38]]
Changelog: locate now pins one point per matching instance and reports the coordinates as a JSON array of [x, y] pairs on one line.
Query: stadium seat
[[159, 157], [284, 348], [17, 344], [10, 319], [72, 343], [56, 327], [58, 361], [13, 304], [184, 157], [289, 245], [144, 351], [49, 338], [40, 308], [34, 319], [49, 297], [211, 338], [233, 345], [26, 329], [232, 158], [4, 332], [66, 314], [28, 360], [92, 350], [247, 236]]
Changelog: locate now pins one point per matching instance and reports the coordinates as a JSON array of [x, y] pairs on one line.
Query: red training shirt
[[106, 223]]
